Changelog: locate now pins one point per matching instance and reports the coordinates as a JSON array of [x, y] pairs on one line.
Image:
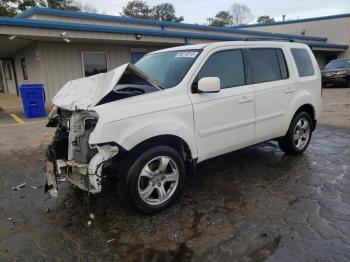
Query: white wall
[[35, 70]]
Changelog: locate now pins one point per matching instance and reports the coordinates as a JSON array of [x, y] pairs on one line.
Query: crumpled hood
[[86, 92]]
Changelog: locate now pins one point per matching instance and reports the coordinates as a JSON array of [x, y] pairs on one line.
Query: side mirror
[[209, 85]]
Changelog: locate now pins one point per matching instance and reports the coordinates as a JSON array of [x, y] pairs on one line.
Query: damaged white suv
[[151, 123]]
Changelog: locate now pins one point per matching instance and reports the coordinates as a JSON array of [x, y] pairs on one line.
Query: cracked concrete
[[255, 204]]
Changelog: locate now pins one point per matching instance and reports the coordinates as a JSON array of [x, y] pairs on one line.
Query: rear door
[[273, 91], [224, 121]]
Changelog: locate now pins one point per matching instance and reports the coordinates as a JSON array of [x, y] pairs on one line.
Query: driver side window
[[228, 66]]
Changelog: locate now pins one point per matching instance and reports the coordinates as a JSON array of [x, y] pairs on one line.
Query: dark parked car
[[336, 73]]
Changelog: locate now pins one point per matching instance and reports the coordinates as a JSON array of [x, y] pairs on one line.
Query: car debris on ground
[[111, 240], [17, 188]]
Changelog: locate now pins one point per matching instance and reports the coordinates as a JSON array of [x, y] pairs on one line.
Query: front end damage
[[70, 155]]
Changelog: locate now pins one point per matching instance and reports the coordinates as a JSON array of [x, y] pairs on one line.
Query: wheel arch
[[308, 108], [170, 140], [303, 101]]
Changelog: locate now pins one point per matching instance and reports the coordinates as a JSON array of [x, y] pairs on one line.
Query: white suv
[[151, 123]]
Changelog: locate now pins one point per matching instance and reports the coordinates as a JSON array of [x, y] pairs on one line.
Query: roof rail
[[269, 39]]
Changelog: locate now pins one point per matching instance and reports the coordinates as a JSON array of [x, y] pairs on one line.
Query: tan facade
[[336, 30], [53, 64]]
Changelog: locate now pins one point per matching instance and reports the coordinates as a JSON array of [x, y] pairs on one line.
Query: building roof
[[312, 19], [82, 15], [36, 23], [202, 32]]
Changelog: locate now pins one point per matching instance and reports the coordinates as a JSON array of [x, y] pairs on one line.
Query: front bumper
[[334, 80], [87, 177]]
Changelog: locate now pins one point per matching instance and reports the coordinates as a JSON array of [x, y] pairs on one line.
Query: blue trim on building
[[294, 21], [336, 46], [34, 23], [161, 24], [111, 29]]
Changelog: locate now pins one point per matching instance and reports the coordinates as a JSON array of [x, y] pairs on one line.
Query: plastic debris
[[89, 223], [19, 186], [34, 187], [92, 216], [62, 179], [111, 240]]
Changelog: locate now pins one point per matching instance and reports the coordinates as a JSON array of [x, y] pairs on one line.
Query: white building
[[50, 47]]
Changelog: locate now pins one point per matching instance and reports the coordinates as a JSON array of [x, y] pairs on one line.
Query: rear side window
[[228, 66], [268, 65], [303, 61]]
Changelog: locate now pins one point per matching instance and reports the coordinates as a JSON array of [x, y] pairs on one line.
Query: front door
[[9, 77], [224, 121]]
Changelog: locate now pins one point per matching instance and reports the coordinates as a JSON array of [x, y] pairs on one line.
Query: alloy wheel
[[158, 180], [302, 133]]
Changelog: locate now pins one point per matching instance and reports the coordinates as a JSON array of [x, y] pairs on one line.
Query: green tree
[[137, 9], [14, 7], [265, 19], [166, 12], [8, 8], [23, 5], [223, 18], [62, 4]]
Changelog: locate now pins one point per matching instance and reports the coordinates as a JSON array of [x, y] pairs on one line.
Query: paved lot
[[252, 205]]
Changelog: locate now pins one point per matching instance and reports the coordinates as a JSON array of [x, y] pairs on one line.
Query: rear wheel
[[298, 136], [153, 179]]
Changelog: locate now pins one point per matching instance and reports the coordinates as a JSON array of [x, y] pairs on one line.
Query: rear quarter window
[[303, 62]]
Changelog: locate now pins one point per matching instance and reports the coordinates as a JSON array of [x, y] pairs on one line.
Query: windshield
[[338, 64], [168, 68]]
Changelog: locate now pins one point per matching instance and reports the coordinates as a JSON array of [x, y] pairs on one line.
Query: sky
[[197, 11]]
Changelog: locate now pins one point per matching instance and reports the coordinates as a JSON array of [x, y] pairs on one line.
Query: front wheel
[[153, 179], [298, 136]]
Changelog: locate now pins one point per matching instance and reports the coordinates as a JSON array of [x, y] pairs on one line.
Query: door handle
[[289, 90], [245, 99]]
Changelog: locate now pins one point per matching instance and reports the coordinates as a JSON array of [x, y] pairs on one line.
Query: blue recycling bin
[[33, 99]]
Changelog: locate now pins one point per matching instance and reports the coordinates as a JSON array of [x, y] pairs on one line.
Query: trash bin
[[33, 99]]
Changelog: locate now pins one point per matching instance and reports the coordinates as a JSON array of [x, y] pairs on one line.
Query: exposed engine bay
[[70, 155]]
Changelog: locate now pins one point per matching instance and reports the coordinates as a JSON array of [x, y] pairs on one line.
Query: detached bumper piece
[[87, 177], [51, 182]]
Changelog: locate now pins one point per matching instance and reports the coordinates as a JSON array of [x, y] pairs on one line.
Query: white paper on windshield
[[186, 54]]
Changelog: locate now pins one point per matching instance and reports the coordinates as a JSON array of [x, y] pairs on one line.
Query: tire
[[151, 179], [298, 136]]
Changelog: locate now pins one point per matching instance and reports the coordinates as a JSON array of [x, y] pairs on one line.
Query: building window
[[136, 55], [24, 68], [94, 63]]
